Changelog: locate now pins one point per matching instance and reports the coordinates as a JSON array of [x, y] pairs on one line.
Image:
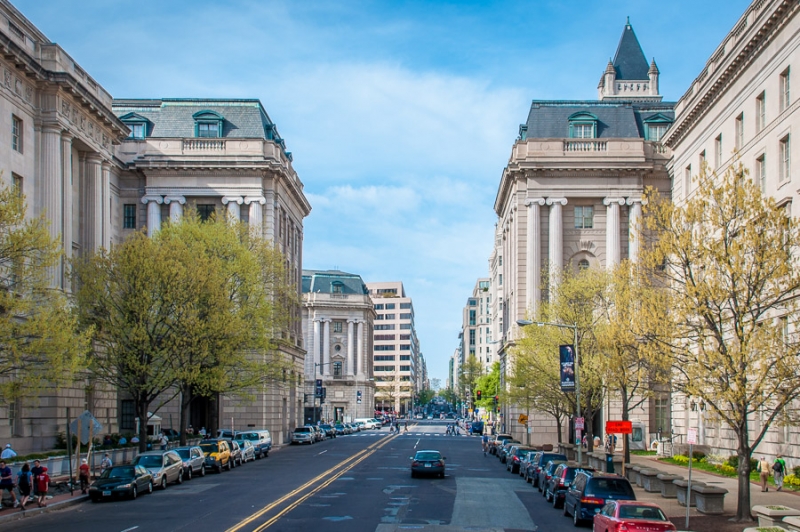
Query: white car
[[369, 423]]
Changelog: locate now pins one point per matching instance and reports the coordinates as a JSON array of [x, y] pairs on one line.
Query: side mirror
[[410, 457]]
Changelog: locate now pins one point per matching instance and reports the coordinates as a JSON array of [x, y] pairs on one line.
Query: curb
[[7, 516]]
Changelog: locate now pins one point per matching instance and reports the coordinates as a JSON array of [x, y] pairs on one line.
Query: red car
[[631, 516]]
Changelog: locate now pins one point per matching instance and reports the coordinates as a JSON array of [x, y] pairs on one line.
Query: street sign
[[619, 427], [87, 420], [691, 436], [358, 397], [579, 423], [523, 419]]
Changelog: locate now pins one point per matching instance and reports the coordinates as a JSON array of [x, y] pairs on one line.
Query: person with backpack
[[24, 484], [778, 471]]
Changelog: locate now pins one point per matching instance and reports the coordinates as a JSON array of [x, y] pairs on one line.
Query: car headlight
[[125, 486]]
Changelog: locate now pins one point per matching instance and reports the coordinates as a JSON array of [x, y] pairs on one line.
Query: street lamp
[[574, 327], [317, 365]]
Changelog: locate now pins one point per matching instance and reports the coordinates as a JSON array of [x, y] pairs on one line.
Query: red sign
[[619, 427], [579, 423]]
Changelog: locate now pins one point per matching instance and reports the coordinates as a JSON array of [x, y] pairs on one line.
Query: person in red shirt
[[84, 476], [42, 485]]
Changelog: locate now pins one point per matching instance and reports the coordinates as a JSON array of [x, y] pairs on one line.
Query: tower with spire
[[627, 76]]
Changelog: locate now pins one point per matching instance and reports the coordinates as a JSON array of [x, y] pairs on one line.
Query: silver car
[[165, 466], [303, 435], [248, 450], [193, 461]]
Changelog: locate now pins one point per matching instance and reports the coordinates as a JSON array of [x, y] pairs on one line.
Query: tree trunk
[[141, 412], [559, 425], [213, 415], [527, 432], [625, 416], [186, 401], [743, 501]]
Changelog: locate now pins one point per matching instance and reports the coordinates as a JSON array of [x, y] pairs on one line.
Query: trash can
[[609, 463]]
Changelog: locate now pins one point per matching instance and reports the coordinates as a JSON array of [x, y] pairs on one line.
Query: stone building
[[572, 190], [338, 327]]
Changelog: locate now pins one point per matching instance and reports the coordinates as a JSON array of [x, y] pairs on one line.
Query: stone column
[[269, 229], [315, 351], [176, 204], [256, 213], [66, 209], [634, 229], [612, 231], [51, 191], [350, 349], [326, 348], [556, 241], [533, 269], [233, 203], [106, 220], [93, 217], [153, 213], [361, 366]]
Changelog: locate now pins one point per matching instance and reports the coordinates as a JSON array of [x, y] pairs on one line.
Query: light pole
[[317, 365], [370, 379], [574, 327]]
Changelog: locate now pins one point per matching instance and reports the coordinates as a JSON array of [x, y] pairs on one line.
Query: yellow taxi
[[217, 454]]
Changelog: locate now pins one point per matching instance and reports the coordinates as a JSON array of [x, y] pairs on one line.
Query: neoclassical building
[[572, 191], [338, 319]]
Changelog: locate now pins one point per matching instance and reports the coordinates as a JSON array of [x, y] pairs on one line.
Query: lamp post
[[317, 365], [574, 327], [370, 379]]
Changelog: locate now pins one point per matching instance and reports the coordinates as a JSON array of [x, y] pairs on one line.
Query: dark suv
[[590, 491], [536, 466], [560, 480]]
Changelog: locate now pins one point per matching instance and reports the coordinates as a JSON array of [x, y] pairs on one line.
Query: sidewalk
[[676, 512], [58, 502]]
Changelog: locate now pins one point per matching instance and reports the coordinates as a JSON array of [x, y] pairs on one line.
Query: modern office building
[[396, 352], [476, 327], [338, 319]]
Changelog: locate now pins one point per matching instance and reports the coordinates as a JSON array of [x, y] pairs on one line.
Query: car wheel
[[179, 480], [441, 475], [133, 493], [164, 482], [232, 463], [189, 473], [150, 487], [95, 499], [203, 471], [555, 501], [576, 521]]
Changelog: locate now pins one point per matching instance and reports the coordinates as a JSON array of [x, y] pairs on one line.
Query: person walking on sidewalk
[[7, 481], [778, 471], [763, 471], [24, 484], [84, 476], [42, 486], [36, 470]]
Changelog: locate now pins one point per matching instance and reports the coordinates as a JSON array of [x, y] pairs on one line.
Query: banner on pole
[[567, 360]]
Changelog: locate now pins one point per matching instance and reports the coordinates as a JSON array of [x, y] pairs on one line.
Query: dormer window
[[583, 125], [137, 124], [208, 124], [336, 287], [656, 126]]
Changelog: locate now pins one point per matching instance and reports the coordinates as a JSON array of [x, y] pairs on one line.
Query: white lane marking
[[131, 528], [415, 445], [323, 452]]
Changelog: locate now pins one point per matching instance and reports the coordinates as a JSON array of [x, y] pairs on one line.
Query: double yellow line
[[326, 478]]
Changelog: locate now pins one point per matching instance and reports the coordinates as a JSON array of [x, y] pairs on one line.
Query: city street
[[359, 482]]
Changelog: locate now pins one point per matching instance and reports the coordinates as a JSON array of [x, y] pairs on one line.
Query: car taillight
[[440, 463], [592, 500], [515, 459], [622, 527], [415, 463], [562, 482]]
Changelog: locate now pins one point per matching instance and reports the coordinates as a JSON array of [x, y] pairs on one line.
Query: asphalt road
[[357, 483]]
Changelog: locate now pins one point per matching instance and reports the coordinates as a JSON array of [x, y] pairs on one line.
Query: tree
[[728, 257], [425, 396], [450, 396], [468, 374], [40, 344], [489, 384]]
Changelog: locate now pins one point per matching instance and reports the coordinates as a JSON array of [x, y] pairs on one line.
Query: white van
[[261, 440], [368, 422]]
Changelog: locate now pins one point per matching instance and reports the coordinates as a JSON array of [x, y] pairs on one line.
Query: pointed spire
[[629, 61], [610, 66], [653, 67]]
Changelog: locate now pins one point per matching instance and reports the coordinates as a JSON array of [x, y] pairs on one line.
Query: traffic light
[[479, 395]]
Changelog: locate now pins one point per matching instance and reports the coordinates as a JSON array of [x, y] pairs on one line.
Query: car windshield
[[522, 453], [302, 429], [325, 426], [604, 486], [249, 436], [183, 453], [209, 447], [427, 455], [149, 461], [118, 472], [630, 511]]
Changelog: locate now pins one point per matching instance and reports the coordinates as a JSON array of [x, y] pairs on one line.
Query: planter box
[[633, 474], [568, 450], [668, 489], [710, 499], [681, 491], [650, 482], [792, 522], [646, 471], [772, 515]]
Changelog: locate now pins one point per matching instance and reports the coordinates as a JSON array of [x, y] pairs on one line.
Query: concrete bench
[[792, 522], [681, 486], [668, 489], [710, 499], [650, 481]]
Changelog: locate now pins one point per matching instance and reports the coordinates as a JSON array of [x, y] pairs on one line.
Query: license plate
[[427, 465], [106, 494]]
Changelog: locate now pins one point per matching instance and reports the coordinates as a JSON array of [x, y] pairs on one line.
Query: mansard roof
[[629, 62], [615, 119], [175, 117], [323, 281]]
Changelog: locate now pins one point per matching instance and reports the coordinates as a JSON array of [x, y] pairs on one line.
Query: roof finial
[[628, 21]]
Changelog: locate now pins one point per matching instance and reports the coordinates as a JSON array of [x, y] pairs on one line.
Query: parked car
[[494, 444], [525, 462], [546, 472], [261, 440], [591, 490], [368, 423], [318, 434], [165, 466], [236, 452], [350, 428], [419, 416], [217, 453], [225, 433], [560, 481], [303, 435], [539, 463], [427, 463], [633, 516], [515, 456], [121, 481], [329, 431], [248, 450], [502, 452], [341, 430], [193, 461]]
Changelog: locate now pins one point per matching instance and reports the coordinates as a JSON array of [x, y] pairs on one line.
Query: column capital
[[531, 201], [66, 135], [254, 199], [556, 201], [157, 199], [611, 201], [232, 199], [95, 158], [52, 128], [632, 200], [178, 199]]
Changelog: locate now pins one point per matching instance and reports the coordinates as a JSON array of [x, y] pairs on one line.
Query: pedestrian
[[135, 439], [190, 430], [107, 441], [123, 440], [763, 471], [596, 441], [202, 432], [83, 475], [406, 426], [42, 485], [164, 441], [24, 484], [7, 482], [8, 453], [105, 463], [36, 470], [778, 471]]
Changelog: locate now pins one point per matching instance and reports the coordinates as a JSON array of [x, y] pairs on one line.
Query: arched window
[[582, 125], [583, 264]]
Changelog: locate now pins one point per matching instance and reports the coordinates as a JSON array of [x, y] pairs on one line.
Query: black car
[[515, 457], [502, 451], [556, 488], [537, 465], [121, 481], [546, 472], [427, 463], [329, 430], [591, 490]]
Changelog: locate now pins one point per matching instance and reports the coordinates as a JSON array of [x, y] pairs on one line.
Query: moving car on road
[[427, 463], [165, 466], [121, 481], [632, 516]]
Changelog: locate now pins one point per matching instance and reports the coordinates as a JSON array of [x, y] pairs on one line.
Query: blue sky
[[400, 114]]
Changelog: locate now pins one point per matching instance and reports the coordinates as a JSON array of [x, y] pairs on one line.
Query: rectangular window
[[137, 131], [405, 326], [405, 368], [584, 217], [129, 216], [379, 306], [761, 172], [16, 133], [761, 111], [384, 348], [740, 131], [405, 357], [386, 327], [472, 337], [582, 131], [655, 132], [379, 317], [18, 184], [383, 368], [785, 160], [785, 96], [405, 306], [718, 151], [379, 337], [405, 337], [687, 176], [389, 316], [500, 279], [204, 212], [701, 159], [660, 421], [472, 317], [405, 347], [337, 326], [208, 130], [389, 306], [406, 316], [383, 358], [127, 415]]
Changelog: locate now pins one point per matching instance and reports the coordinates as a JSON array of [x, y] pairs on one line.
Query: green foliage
[[425, 396], [733, 461], [489, 384]]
